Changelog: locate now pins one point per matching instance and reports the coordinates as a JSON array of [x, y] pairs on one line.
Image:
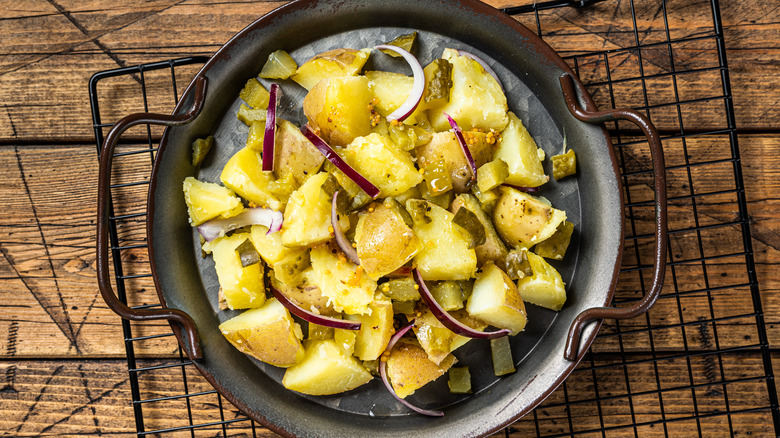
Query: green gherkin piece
[[400, 210], [448, 295], [517, 265], [555, 246], [401, 289], [280, 65], [564, 164], [247, 253], [469, 221], [405, 307], [460, 380], [501, 352], [438, 78], [405, 42], [437, 177], [201, 148]]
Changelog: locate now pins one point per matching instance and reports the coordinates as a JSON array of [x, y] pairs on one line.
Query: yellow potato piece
[[325, 369]]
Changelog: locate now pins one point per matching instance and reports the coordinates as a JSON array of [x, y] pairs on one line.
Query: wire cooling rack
[[697, 363]]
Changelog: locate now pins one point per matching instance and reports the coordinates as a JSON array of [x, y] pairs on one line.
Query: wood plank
[[90, 39], [83, 397]]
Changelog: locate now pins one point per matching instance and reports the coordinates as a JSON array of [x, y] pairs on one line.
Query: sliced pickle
[[247, 253], [517, 265], [469, 221], [555, 246], [501, 352], [280, 65], [460, 380], [437, 177], [448, 295], [405, 42], [438, 82], [564, 164], [401, 289], [492, 174]]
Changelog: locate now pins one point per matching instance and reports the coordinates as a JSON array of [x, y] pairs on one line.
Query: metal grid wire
[[698, 361]]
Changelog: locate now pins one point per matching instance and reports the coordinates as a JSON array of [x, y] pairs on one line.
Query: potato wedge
[[375, 330], [325, 369], [378, 160], [347, 287], [339, 109], [331, 64], [207, 200], [307, 215], [545, 287], [241, 287], [244, 175], [267, 333], [409, 369], [496, 301], [294, 154], [519, 151], [523, 220], [384, 241]]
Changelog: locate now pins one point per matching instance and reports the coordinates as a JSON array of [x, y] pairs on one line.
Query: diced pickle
[[201, 148], [401, 289], [564, 164], [405, 307], [517, 265], [405, 42], [487, 199], [466, 287], [419, 210], [555, 246], [438, 82], [249, 115], [247, 253], [400, 210], [254, 94], [469, 221], [460, 380], [492, 175], [437, 177], [443, 200], [280, 65], [501, 352], [321, 332], [448, 295]]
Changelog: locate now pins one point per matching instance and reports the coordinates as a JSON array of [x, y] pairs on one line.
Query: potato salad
[[401, 222]]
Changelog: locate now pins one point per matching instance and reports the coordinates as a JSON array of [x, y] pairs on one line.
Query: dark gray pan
[[532, 76]]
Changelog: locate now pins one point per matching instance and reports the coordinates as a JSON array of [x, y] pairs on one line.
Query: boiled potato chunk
[[445, 252], [244, 175], [241, 287], [523, 220], [493, 249], [519, 151], [545, 287], [344, 283], [325, 369], [390, 90], [375, 330], [384, 241], [379, 161], [306, 293], [294, 154], [307, 216], [409, 369], [330, 64], [437, 340], [339, 109], [496, 301], [444, 146], [476, 99], [288, 263], [207, 200], [267, 333]]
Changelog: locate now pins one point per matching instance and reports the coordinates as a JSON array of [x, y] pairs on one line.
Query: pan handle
[[104, 200], [659, 185]]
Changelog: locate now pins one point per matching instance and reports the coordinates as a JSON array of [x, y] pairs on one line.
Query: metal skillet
[[541, 89]]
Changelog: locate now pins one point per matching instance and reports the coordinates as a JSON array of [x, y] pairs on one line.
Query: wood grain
[[62, 371]]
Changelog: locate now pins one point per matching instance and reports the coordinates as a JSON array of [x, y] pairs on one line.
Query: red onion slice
[[214, 228], [341, 239], [269, 137], [418, 87], [313, 317], [447, 319], [465, 147], [383, 372], [531, 190], [484, 65], [333, 157]]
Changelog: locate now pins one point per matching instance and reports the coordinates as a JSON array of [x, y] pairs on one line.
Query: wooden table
[[62, 358]]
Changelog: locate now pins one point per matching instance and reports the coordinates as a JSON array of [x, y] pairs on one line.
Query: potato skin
[[409, 368], [522, 220], [339, 109], [384, 241]]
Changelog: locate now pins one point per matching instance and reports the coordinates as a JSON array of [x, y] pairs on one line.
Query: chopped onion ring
[[341, 239], [464, 147], [333, 157], [269, 137], [214, 228], [383, 372], [447, 319], [313, 317], [484, 65], [526, 189], [418, 87]]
